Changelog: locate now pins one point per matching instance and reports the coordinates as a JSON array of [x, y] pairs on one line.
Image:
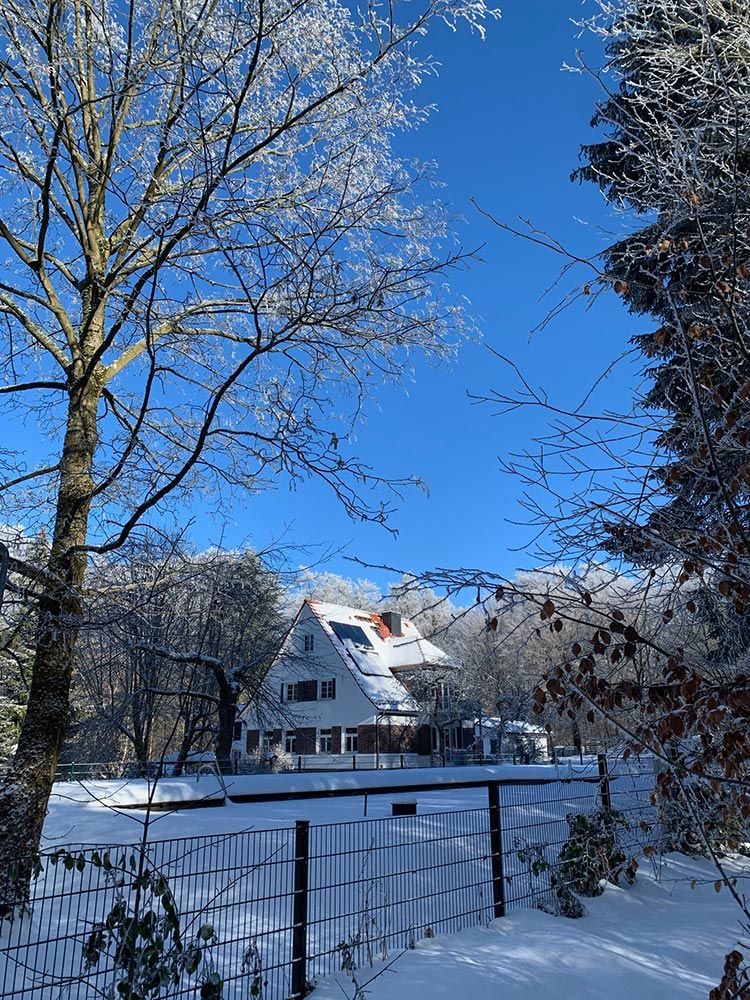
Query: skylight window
[[353, 633]]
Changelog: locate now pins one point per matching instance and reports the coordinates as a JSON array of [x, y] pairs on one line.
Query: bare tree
[[122, 689], [172, 642], [209, 246], [332, 588]]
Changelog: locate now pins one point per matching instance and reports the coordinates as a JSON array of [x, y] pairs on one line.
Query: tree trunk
[[227, 712], [26, 782], [141, 733], [186, 745]]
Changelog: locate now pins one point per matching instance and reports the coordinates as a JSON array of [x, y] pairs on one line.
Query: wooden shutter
[[307, 691]]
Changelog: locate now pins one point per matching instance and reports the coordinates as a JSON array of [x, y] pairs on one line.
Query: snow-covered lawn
[[658, 940], [375, 884], [98, 812], [84, 814]]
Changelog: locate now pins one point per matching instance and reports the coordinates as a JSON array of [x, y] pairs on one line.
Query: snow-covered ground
[[98, 812], [658, 940], [84, 814], [374, 884]]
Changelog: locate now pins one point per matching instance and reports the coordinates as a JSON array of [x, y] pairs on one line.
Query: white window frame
[[309, 642], [291, 690], [327, 735], [290, 741], [328, 685], [351, 740]]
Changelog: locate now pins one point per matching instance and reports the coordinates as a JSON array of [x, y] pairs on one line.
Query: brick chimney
[[392, 621]]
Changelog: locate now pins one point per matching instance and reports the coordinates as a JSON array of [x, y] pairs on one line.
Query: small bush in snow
[[141, 939], [556, 897], [592, 856], [702, 818], [279, 760]]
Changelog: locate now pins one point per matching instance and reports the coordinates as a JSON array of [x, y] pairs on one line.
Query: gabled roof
[[374, 656]]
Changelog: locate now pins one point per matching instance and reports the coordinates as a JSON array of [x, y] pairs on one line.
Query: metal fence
[[266, 913], [260, 764]]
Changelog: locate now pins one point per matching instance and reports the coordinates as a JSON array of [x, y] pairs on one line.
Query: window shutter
[[307, 691], [282, 692]]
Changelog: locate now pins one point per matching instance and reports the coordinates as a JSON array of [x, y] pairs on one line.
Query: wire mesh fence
[[395, 882], [266, 913], [538, 823], [269, 763]]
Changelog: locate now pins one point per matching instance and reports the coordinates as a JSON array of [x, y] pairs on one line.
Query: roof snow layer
[[381, 655]]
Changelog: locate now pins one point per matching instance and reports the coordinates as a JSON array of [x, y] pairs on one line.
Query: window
[[290, 741], [266, 740], [327, 690], [290, 692], [237, 731], [325, 741], [309, 643], [350, 741], [442, 695]]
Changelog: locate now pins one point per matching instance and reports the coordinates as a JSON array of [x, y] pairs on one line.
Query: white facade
[[498, 735], [337, 674]]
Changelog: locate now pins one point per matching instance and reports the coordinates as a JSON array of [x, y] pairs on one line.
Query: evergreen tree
[[677, 151]]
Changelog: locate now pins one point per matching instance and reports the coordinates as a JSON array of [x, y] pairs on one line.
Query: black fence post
[[496, 849], [604, 788], [299, 909]]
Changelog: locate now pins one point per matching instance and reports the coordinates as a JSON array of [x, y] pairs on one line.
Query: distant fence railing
[[267, 912], [262, 764]]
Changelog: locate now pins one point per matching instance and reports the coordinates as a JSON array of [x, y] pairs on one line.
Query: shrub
[[592, 855], [141, 940], [711, 824], [558, 899]]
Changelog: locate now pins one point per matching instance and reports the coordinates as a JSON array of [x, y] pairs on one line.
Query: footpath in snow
[[657, 940]]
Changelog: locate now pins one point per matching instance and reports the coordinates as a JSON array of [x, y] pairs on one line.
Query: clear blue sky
[[507, 132]]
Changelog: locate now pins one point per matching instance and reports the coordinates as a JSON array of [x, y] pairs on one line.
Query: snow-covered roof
[[514, 726], [366, 644]]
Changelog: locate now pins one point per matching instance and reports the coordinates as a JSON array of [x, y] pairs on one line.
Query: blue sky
[[507, 132]]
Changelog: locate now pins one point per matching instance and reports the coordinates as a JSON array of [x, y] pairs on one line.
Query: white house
[[523, 739], [340, 684]]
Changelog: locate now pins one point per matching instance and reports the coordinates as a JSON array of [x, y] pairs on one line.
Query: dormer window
[[309, 641]]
